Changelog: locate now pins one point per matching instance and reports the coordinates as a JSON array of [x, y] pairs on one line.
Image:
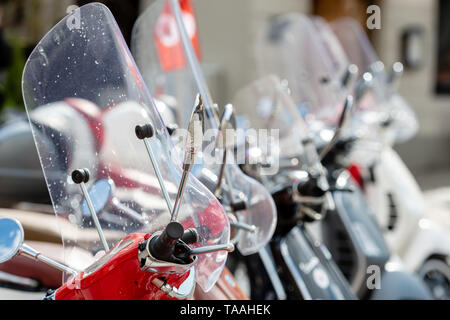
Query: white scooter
[[422, 243]]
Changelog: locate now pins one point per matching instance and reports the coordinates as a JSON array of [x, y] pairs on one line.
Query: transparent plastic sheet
[[383, 98], [84, 97], [290, 48], [181, 84], [355, 43], [362, 125], [266, 105], [333, 47]]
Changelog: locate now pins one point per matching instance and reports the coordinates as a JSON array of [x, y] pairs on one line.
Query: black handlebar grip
[[190, 236], [145, 131], [80, 175], [162, 246]]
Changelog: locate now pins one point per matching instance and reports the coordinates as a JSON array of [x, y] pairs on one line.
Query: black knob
[[190, 236], [162, 246], [80, 175], [145, 131]]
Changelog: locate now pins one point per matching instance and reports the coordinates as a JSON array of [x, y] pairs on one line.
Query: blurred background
[[415, 32]]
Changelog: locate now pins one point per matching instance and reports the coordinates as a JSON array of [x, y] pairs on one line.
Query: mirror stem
[[363, 87], [145, 133], [180, 193], [94, 216], [193, 145], [158, 174], [396, 74], [350, 76], [342, 121], [221, 175], [208, 249], [80, 177], [29, 252]]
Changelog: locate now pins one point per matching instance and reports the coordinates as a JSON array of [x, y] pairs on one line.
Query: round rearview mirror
[[101, 193], [11, 238]]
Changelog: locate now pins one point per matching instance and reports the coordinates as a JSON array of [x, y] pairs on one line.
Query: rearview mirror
[[101, 194], [11, 238]]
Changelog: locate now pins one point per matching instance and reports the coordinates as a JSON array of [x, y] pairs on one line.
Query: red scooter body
[[120, 278]]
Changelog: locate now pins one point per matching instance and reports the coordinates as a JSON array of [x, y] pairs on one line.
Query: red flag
[[167, 37]]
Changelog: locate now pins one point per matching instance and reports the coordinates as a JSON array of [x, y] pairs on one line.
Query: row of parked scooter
[[293, 191]]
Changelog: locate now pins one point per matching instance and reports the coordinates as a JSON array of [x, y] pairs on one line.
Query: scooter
[[25, 279], [391, 189], [318, 105], [298, 183], [158, 248]]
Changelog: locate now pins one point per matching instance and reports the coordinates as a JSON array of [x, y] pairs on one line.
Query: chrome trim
[[29, 252], [94, 216], [184, 291], [158, 174]]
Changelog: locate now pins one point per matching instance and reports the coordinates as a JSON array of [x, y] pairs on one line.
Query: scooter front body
[[308, 264], [119, 275], [353, 236]]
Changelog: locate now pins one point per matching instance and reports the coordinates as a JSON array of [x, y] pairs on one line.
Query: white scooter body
[[413, 236]]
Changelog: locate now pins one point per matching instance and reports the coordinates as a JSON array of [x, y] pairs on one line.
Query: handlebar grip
[[190, 236], [162, 246]]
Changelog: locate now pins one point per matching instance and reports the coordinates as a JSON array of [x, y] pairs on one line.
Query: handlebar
[[162, 247]]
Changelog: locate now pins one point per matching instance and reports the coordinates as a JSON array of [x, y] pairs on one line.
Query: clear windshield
[[333, 47], [266, 104], [291, 49], [363, 125], [382, 102], [84, 97], [164, 52]]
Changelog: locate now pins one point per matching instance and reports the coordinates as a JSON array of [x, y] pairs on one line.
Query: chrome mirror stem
[[145, 133], [363, 87], [350, 76], [223, 144], [396, 74], [193, 145], [29, 252], [209, 249], [80, 177], [342, 121]]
